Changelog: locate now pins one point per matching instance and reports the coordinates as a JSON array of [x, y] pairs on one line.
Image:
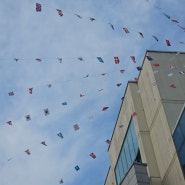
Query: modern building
[[148, 140]]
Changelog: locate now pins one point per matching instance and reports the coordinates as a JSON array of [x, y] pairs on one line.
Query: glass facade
[[179, 140], [129, 153]]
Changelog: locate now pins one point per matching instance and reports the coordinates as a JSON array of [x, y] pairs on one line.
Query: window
[[129, 153], [179, 140]]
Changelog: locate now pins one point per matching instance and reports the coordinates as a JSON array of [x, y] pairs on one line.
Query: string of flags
[[125, 29]]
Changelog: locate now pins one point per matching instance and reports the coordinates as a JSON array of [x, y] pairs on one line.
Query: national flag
[[38, 7], [156, 64], [59, 12], [141, 34], [155, 38], [77, 167], [100, 59], [104, 108], [116, 60], [11, 93], [30, 90], [28, 118], [133, 59], [38, 59], [93, 155], [76, 127], [149, 58], [172, 86], [168, 43], [28, 151], [126, 30], [9, 122], [108, 141]]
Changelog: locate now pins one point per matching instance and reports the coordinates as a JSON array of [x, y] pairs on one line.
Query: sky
[[86, 86]]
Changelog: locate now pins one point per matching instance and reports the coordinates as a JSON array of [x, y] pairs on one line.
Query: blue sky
[[26, 35]]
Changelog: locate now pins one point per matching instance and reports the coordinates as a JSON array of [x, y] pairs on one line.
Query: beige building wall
[[158, 107]]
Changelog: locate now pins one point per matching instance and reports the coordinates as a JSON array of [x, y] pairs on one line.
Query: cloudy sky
[[60, 77]]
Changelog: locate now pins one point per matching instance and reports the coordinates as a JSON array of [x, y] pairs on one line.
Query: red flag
[[175, 21], [134, 114], [156, 64], [93, 155], [136, 79], [116, 60], [30, 90], [104, 108], [168, 43], [59, 12], [172, 86], [126, 30], [76, 127]]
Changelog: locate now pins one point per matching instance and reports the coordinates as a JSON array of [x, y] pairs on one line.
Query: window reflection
[[129, 153]]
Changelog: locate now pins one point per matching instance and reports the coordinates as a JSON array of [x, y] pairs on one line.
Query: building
[[148, 140]]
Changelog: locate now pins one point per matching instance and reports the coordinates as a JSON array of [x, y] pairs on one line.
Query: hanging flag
[[104, 108], [149, 58], [77, 167], [111, 26], [168, 43], [108, 141], [46, 111], [92, 19], [181, 72], [64, 103], [167, 16], [60, 60], [100, 59], [76, 127], [156, 64], [59, 12], [116, 60], [80, 58], [81, 95], [134, 114], [11, 93], [28, 118], [80, 17], [60, 135], [93, 155], [38, 59], [139, 68], [136, 79], [175, 21], [133, 59], [172, 86], [142, 36], [155, 38], [38, 7], [30, 90], [28, 151], [9, 122], [122, 71], [61, 181], [44, 143], [126, 30], [119, 84]]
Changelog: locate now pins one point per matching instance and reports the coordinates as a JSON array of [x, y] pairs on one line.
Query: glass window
[[178, 137], [179, 140], [128, 153]]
